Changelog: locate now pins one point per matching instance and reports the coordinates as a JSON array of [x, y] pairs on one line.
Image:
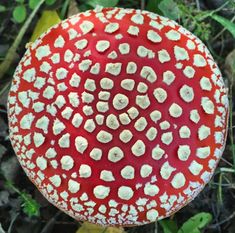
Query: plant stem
[[4, 66]]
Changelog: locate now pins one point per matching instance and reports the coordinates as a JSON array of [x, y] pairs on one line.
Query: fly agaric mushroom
[[118, 116]]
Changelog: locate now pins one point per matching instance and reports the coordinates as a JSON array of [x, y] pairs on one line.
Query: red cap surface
[[118, 116]]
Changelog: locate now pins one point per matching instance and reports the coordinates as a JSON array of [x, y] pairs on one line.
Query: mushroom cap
[[118, 116]]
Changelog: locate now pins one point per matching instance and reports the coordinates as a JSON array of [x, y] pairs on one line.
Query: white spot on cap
[[142, 87], [133, 30], [189, 72], [178, 180], [96, 154], [154, 36], [77, 120], [106, 83], [140, 124], [95, 69], [86, 26], [73, 99], [142, 101], [64, 141], [68, 56], [173, 35], [152, 215], [115, 154], [175, 110], [85, 171], [59, 42], [168, 77], [124, 118], [41, 163], [183, 152], [112, 121], [184, 132], [194, 116], [90, 85], [131, 68], [89, 125], [125, 136], [167, 138], [133, 112], [113, 68], [151, 134], [146, 170], [187, 93], [42, 51], [84, 65], [124, 48], [99, 119], [203, 152], [102, 106], [87, 97], [73, 186], [195, 168], [166, 170], [151, 190], [38, 139], [75, 80], [49, 92], [128, 84], [111, 27], [128, 172], [58, 126], [102, 45], [104, 95], [125, 193], [180, 53], [160, 95], [137, 18], [138, 149], [101, 191], [205, 84], [55, 180], [155, 116], [163, 56], [199, 60], [26, 121], [157, 153], [203, 132], [207, 105], [148, 73], [67, 113], [81, 144], [107, 176], [120, 101], [81, 44], [67, 162], [190, 45], [51, 153], [61, 73]]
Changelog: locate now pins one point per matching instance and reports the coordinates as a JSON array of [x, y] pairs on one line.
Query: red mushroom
[[118, 116]]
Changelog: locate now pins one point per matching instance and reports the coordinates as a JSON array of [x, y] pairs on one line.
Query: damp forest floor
[[24, 210]]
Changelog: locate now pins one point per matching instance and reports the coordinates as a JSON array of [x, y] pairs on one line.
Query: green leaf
[[104, 3], [50, 2], [33, 3], [168, 226], [170, 9], [20, 1], [2, 8], [47, 20], [197, 222], [30, 206], [152, 6], [19, 13], [225, 22]]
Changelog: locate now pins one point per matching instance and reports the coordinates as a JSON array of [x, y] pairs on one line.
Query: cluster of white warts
[[119, 102]]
